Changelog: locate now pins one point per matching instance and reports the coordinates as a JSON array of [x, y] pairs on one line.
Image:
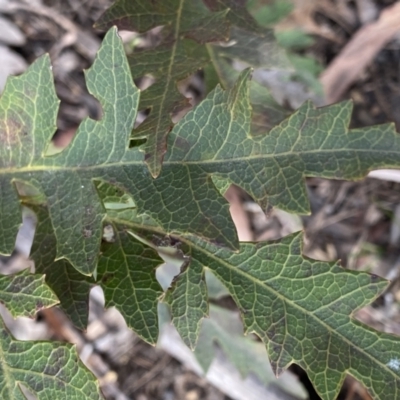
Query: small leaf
[[24, 294], [187, 298], [48, 370], [126, 273]]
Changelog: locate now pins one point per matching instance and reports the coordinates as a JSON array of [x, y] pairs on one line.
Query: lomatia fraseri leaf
[[300, 308]]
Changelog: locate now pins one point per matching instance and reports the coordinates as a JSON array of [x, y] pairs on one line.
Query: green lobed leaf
[[99, 151], [127, 276], [188, 301], [301, 308], [28, 112], [187, 25], [272, 167], [127, 267], [24, 294], [215, 139], [71, 287], [50, 370], [212, 139], [176, 57], [30, 108]]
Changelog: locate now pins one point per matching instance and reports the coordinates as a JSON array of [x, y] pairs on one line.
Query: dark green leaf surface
[[302, 308], [28, 118], [127, 275], [272, 167], [126, 271], [49, 370], [24, 294], [212, 139], [188, 301], [100, 150], [127, 267], [71, 287], [174, 59], [28, 111], [190, 19]]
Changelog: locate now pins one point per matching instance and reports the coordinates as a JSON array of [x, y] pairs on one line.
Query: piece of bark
[[239, 215]]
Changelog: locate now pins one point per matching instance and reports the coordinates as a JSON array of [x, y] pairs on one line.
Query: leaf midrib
[[155, 168], [43, 168]]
